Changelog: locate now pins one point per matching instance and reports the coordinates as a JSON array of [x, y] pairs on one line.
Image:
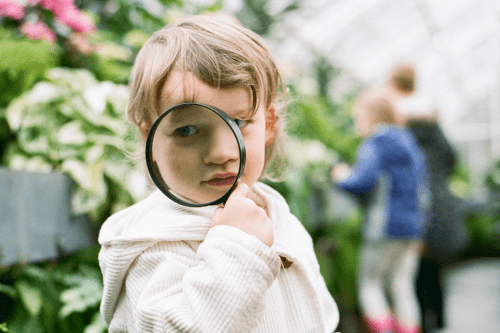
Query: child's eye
[[241, 123], [186, 130]]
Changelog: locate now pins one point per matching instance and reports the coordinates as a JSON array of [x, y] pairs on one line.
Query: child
[[391, 179], [446, 237], [246, 267]]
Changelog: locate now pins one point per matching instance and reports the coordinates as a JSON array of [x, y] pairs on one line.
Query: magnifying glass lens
[[194, 154]]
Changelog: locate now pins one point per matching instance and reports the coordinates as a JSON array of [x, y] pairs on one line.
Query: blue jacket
[[390, 177]]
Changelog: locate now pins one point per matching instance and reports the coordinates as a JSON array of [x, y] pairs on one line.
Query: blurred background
[[65, 146]]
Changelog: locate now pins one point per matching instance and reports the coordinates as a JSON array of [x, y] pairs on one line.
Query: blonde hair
[[403, 77], [377, 106], [217, 50]]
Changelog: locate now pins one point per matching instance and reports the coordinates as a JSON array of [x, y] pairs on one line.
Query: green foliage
[[484, 231], [485, 228], [123, 27], [308, 172], [318, 118], [4, 329], [60, 296], [84, 134], [24, 62], [306, 186], [320, 135], [492, 179], [256, 16], [337, 248]]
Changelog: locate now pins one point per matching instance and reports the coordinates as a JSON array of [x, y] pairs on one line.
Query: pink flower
[[12, 9], [55, 6], [67, 13], [75, 19], [38, 31]]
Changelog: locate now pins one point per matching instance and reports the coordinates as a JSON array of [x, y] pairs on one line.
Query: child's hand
[[242, 213], [340, 172]]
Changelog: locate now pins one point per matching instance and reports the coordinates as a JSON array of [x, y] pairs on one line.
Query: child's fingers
[[217, 212], [241, 191], [243, 213]]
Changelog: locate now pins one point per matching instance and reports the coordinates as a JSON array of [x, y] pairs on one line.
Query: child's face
[[192, 167]]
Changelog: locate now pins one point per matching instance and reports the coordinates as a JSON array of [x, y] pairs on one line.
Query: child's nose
[[222, 147]]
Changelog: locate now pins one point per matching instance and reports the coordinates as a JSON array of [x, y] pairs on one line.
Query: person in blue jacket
[[390, 180]]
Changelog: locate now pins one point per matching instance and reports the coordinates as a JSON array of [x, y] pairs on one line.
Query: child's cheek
[[254, 166], [179, 166]]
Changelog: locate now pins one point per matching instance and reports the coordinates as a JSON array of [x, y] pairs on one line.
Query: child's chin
[[204, 198]]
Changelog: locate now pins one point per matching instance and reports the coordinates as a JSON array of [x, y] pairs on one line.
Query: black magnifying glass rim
[[149, 154]]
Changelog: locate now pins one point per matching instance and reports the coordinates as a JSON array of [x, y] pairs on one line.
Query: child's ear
[[144, 130], [270, 124]]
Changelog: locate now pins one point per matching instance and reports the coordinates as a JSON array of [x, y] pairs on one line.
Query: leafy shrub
[[318, 118], [74, 124], [24, 62], [60, 296]]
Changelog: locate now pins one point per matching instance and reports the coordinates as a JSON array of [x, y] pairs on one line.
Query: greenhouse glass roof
[[454, 44]]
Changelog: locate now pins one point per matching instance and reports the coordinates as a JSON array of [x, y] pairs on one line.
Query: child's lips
[[222, 179]]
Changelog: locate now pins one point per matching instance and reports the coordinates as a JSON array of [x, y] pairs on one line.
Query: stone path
[[472, 290]]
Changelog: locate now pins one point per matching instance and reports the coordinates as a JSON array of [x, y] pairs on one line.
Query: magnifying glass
[[195, 154]]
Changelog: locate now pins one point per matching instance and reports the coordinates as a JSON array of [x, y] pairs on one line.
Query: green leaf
[[88, 176], [4, 329], [135, 38], [23, 63], [86, 295], [71, 134], [76, 80], [85, 202], [110, 50], [8, 290], [97, 325], [17, 161], [94, 155], [83, 127], [30, 296], [37, 273]]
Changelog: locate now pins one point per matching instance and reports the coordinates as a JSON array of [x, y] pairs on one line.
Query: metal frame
[[157, 180]]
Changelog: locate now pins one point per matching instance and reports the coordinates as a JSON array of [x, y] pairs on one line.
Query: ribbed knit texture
[[165, 270]]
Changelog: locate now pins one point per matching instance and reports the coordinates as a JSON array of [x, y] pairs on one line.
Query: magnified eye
[[240, 123], [186, 130]]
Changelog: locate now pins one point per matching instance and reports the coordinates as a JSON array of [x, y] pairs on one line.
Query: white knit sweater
[[165, 270]]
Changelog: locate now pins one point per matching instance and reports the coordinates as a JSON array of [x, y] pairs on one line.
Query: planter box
[[35, 219]]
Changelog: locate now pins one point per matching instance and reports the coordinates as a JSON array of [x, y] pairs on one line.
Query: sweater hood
[[157, 218], [126, 234]]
